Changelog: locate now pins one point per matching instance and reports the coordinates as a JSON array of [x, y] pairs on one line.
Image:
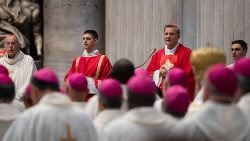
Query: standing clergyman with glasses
[[238, 50], [19, 65]]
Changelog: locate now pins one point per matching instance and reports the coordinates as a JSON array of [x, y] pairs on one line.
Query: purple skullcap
[[3, 70], [78, 82], [141, 71], [110, 88], [177, 76], [5, 80], [28, 90], [46, 75], [242, 67], [177, 99], [141, 85], [223, 79]]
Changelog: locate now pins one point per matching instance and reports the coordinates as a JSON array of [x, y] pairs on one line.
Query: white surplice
[[20, 70], [18, 105], [244, 104], [80, 104], [197, 104], [105, 117], [54, 118], [214, 122], [91, 107], [158, 105], [8, 114], [140, 124]]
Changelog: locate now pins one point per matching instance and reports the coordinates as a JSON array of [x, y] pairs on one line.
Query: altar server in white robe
[[19, 65], [8, 112], [219, 119], [142, 122], [77, 89], [122, 71], [110, 101], [53, 118], [242, 69]]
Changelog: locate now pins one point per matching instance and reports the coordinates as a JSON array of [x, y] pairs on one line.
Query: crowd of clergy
[[127, 104], [127, 107]]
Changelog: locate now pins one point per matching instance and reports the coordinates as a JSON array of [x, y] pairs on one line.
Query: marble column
[[64, 24]]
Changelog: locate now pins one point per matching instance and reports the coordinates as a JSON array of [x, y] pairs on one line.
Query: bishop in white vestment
[[8, 112], [53, 118], [122, 71], [110, 101], [77, 89], [242, 67], [142, 122], [219, 119], [19, 65]]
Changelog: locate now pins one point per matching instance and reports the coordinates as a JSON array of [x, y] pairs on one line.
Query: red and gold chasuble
[[168, 61], [180, 59], [88, 66]]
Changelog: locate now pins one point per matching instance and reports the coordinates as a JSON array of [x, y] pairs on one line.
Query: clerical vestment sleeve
[[31, 68], [187, 67], [155, 62]]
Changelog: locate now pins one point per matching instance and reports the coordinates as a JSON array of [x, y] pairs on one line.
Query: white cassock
[[54, 118], [197, 104], [244, 104], [91, 107], [80, 104], [140, 124], [124, 97], [158, 105], [105, 117], [20, 70], [18, 104], [8, 113], [214, 122]]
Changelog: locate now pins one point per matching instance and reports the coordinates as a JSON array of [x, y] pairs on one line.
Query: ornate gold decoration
[[168, 65]]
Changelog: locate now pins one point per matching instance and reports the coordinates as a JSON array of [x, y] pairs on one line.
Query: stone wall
[[64, 24]]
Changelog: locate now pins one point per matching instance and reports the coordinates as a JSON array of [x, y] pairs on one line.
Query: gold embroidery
[[168, 65], [69, 136]]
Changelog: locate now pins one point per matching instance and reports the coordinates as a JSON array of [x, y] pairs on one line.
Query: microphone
[[151, 53]]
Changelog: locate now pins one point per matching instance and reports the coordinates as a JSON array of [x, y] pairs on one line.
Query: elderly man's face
[[237, 51], [11, 45]]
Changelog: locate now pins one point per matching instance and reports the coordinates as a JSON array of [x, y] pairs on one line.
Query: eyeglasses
[[10, 43], [236, 49]]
